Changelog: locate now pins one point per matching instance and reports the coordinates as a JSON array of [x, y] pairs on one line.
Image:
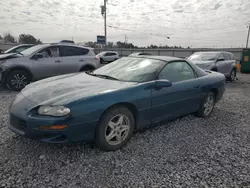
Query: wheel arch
[[215, 92], [130, 106], [17, 68], [88, 66]]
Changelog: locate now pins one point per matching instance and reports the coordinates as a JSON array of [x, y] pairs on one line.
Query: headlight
[[53, 111]]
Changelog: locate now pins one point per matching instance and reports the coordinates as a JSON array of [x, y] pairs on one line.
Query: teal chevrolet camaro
[[107, 105]]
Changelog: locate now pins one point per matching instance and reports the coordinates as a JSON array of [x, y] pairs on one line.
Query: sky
[[194, 23]]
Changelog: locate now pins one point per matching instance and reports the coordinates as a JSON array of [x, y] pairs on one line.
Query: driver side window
[[50, 52], [177, 71]]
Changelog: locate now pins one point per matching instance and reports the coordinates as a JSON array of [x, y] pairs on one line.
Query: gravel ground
[[188, 152]]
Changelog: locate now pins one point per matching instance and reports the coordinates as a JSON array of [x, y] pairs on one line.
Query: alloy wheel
[[232, 76], [18, 81], [208, 105], [117, 129]]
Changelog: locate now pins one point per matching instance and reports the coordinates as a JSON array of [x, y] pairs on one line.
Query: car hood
[[202, 62], [9, 56], [61, 90]]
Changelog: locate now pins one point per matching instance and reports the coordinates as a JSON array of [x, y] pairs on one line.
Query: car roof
[[162, 58], [25, 45], [109, 52], [213, 52], [69, 44]]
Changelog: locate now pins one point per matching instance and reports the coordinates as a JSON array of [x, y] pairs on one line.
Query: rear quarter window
[[226, 56], [92, 53], [232, 56], [73, 51]]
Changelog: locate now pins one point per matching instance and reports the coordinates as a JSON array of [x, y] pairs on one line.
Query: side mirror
[[38, 56], [162, 83], [221, 59]]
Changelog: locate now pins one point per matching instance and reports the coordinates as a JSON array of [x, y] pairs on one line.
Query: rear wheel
[[207, 106], [16, 80], [101, 60], [114, 129], [232, 75]]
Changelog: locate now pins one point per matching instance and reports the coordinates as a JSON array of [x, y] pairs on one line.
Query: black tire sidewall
[[232, 72], [10, 75], [200, 112], [101, 127], [84, 69]]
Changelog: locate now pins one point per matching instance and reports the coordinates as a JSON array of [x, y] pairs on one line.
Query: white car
[[108, 56]]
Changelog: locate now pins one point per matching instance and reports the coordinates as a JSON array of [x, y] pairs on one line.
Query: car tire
[[101, 61], [16, 80], [114, 128], [87, 68], [232, 76], [207, 106]]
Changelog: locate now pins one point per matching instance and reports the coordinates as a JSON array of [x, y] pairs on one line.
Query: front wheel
[[16, 80], [207, 106], [114, 129]]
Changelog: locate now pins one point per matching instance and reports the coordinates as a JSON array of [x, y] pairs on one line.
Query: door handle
[[58, 61], [81, 60]]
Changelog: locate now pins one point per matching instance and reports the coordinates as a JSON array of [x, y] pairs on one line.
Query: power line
[[131, 30]]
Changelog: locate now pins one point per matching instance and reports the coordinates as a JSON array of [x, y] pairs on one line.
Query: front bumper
[[25, 123], [30, 128]]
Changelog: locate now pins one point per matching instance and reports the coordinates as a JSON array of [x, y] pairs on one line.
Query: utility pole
[[126, 39], [105, 21], [248, 35]]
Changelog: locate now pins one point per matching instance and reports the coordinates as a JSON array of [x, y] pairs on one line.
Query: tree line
[[120, 44], [29, 39], [21, 39]]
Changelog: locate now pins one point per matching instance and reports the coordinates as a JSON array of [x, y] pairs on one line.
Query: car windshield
[[9, 50], [131, 69], [206, 56], [31, 50]]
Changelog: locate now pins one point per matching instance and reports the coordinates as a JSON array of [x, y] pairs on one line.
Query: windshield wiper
[[102, 76]]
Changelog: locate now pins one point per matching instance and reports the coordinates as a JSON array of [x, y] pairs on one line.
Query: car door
[[224, 66], [48, 64], [108, 57], [73, 58], [181, 98]]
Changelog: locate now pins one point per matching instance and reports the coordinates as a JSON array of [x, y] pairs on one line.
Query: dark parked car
[[110, 103]]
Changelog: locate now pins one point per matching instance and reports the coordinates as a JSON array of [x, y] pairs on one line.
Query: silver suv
[[46, 60], [223, 62]]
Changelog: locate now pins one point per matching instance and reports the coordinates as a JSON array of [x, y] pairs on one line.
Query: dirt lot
[[188, 152]]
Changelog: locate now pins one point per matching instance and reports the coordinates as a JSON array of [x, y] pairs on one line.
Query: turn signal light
[[54, 127]]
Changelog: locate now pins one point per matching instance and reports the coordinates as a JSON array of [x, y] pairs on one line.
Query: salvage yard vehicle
[[223, 62], [107, 105], [45, 60], [18, 48], [139, 54], [108, 56]]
